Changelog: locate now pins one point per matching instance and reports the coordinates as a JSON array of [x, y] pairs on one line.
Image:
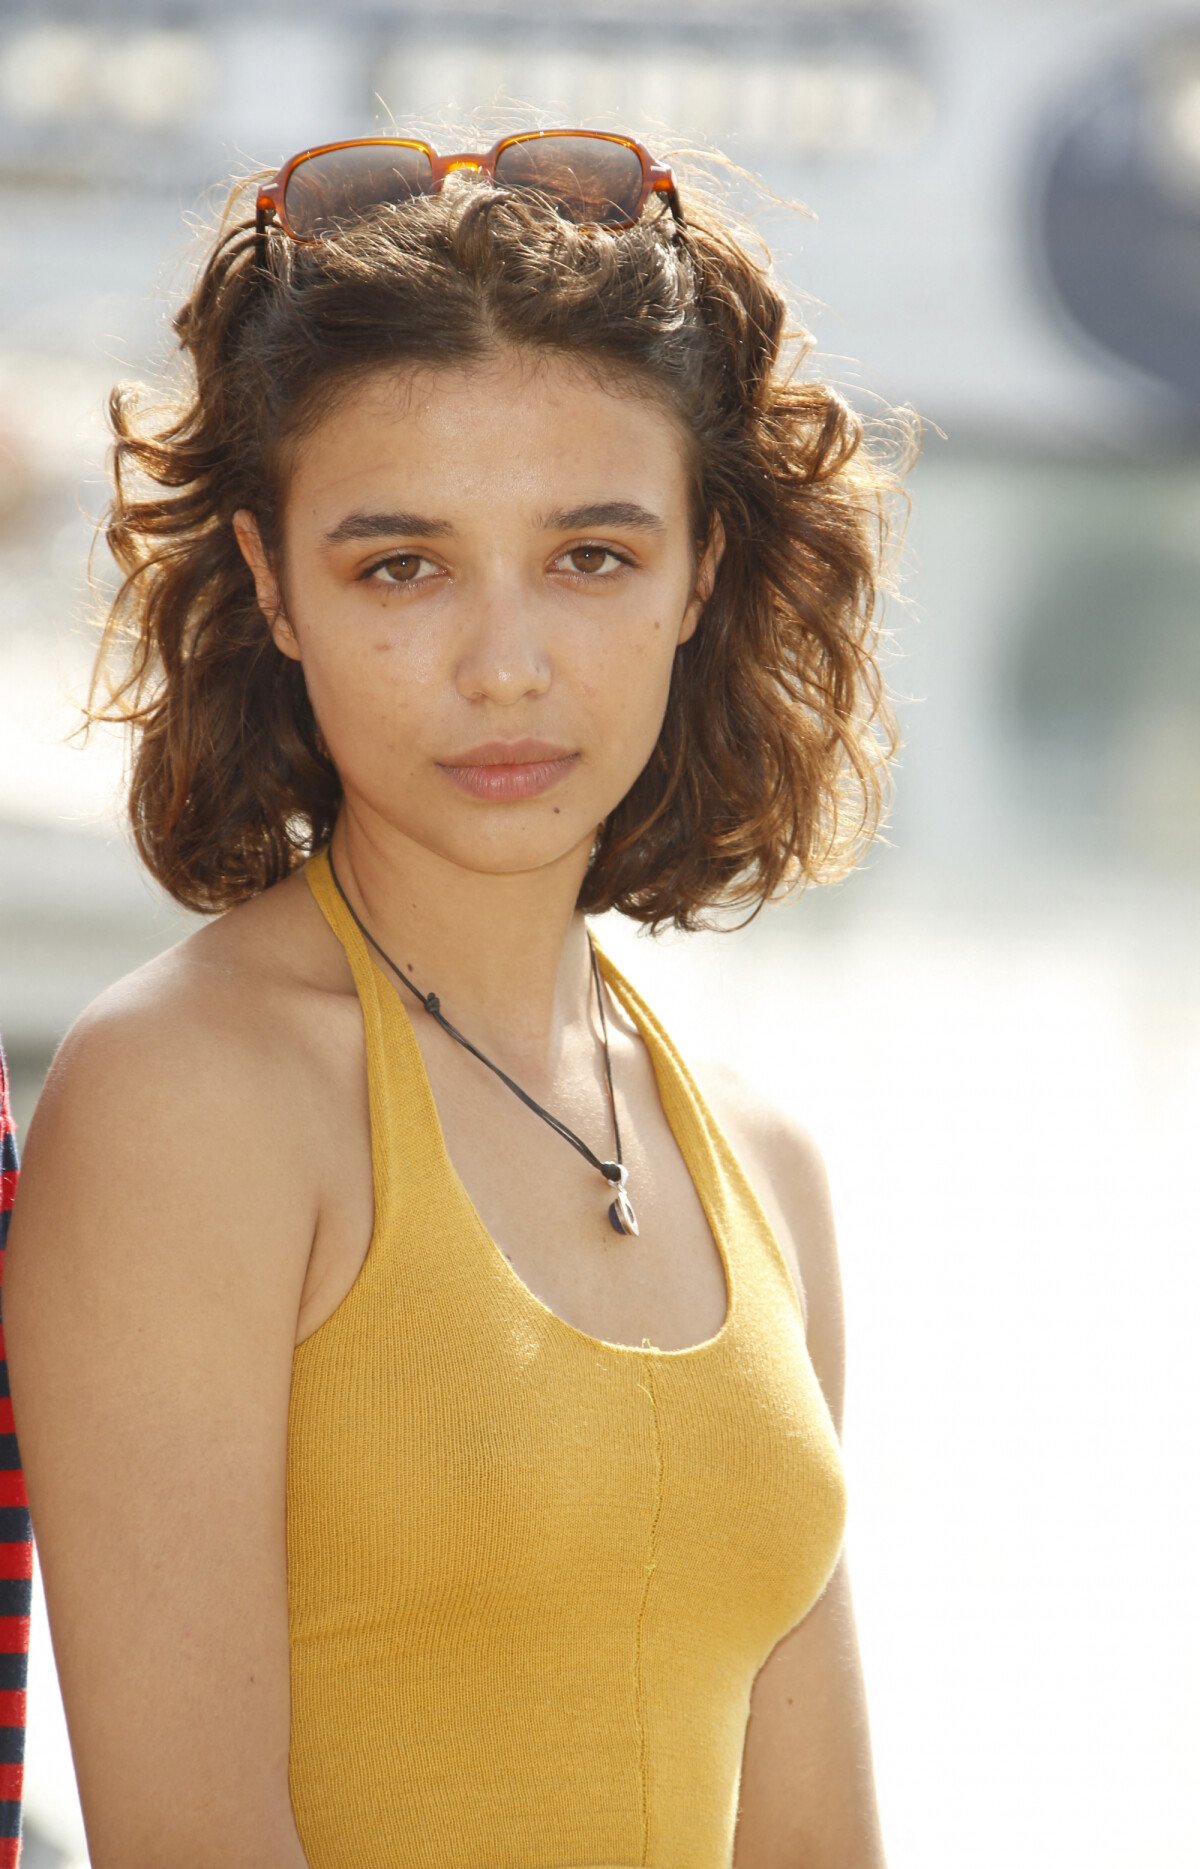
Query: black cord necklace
[[620, 1212]]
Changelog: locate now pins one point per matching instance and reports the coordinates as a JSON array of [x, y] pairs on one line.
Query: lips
[[509, 753]]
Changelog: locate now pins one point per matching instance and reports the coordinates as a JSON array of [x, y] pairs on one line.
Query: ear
[[706, 577], [266, 584]]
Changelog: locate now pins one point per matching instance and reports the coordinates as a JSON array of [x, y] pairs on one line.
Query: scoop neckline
[[688, 1142]]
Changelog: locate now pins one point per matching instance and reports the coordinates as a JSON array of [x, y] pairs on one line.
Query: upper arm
[[152, 1282], [807, 1798]]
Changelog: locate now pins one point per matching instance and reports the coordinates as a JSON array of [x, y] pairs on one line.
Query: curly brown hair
[[768, 725]]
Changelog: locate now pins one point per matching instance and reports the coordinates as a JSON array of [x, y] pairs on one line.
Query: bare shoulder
[[201, 1053], [152, 1283], [220, 1012], [787, 1169], [760, 1121]]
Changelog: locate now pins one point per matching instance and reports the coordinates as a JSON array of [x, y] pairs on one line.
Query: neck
[[507, 955]]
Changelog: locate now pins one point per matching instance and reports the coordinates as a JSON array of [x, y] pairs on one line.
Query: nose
[[504, 654]]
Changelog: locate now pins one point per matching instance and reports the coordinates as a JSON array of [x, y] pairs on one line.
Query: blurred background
[[993, 1027]]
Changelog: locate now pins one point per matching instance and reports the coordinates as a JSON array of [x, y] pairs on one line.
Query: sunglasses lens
[[590, 179], [327, 191]]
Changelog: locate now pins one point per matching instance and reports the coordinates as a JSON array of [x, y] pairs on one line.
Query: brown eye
[[375, 574], [389, 565], [596, 553]]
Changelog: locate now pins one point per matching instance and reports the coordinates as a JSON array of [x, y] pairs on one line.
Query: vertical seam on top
[[648, 1365]]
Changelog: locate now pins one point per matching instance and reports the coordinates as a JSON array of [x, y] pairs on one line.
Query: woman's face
[[472, 554]]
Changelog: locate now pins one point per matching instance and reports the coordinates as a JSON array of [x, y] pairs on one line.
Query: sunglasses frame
[[657, 177]]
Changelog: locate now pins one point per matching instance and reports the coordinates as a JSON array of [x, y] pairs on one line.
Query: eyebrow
[[624, 513]]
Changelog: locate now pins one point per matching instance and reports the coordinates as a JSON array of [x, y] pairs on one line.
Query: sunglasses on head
[[594, 178]]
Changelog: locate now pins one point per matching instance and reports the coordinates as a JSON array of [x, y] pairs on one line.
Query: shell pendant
[[621, 1216]]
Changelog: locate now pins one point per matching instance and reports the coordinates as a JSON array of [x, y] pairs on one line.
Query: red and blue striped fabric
[[16, 1542]]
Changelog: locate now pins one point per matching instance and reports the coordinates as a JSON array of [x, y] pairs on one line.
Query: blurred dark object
[[1118, 212]]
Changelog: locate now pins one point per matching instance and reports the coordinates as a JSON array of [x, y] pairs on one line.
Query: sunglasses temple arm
[[261, 219]]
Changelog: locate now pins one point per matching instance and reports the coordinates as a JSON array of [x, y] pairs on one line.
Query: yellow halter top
[[533, 1574]]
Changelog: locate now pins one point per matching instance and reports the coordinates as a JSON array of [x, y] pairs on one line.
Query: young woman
[[430, 1397]]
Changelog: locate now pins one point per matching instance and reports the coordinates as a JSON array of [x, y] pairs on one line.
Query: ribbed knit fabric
[[532, 1574], [16, 1543]]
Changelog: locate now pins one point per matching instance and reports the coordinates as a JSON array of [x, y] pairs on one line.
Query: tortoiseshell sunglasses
[[594, 177]]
